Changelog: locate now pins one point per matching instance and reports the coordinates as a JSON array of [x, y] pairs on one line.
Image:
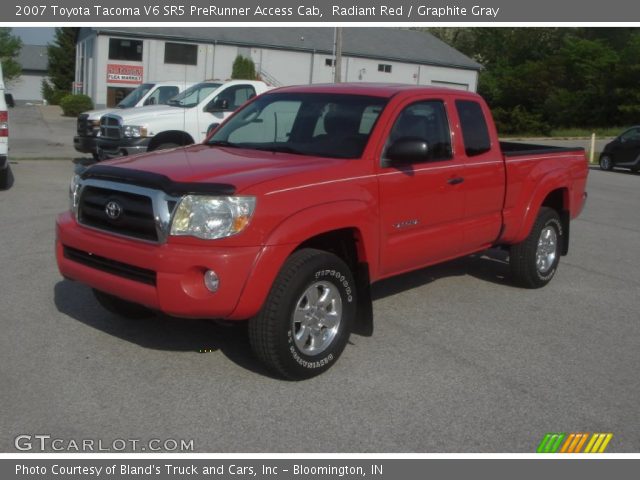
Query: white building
[[28, 86], [113, 60]]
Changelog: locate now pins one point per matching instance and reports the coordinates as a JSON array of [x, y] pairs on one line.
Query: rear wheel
[[534, 261], [306, 320], [121, 307], [606, 163]]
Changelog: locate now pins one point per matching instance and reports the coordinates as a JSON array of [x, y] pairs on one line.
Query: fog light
[[211, 281]]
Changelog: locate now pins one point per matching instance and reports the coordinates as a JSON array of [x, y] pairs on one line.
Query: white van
[[6, 178]]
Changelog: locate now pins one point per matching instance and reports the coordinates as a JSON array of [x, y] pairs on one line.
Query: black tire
[[6, 178], [606, 163], [166, 146], [121, 307], [526, 270], [276, 336]]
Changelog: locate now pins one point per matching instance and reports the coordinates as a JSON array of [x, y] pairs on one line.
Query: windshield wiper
[[222, 143], [280, 149]]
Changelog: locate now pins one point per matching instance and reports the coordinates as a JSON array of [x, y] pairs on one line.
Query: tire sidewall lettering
[[341, 281]]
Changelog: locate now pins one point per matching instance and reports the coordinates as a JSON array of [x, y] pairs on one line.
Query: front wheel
[[606, 163], [534, 261], [305, 323]]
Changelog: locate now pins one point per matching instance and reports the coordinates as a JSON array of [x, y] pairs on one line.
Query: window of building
[[475, 132], [383, 67], [426, 121], [329, 62], [180, 53], [125, 49]]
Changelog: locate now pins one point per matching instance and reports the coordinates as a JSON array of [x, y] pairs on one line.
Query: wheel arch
[[340, 235], [170, 136]]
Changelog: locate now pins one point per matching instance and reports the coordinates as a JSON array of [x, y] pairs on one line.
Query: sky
[[34, 35]]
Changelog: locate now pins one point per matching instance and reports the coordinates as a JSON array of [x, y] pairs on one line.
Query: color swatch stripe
[[573, 442]]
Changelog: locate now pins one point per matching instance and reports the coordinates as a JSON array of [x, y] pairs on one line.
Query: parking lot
[[460, 361]]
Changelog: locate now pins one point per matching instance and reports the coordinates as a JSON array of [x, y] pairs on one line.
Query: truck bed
[[514, 149]]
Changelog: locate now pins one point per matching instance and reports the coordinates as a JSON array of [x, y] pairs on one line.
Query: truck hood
[[142, 114], [96, 114], [239, 167]]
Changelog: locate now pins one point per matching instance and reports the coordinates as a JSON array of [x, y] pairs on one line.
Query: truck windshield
[[316, 124], [135, 96], [192, 96]]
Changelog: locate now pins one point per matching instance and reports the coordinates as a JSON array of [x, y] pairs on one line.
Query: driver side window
[[425, 121], [632, 135]]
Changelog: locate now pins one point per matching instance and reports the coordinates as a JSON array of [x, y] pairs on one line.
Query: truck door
[[627, 148], [225, 102], [484, 176], [421, 202]]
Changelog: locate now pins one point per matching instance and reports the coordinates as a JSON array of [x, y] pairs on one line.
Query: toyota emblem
[[113, 210]]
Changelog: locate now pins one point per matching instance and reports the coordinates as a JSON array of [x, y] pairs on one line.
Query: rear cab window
[[475, 131]]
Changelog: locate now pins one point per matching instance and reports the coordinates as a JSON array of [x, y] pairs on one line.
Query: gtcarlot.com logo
[[45, 443]]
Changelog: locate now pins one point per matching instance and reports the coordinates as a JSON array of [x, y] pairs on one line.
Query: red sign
[[117, 73]]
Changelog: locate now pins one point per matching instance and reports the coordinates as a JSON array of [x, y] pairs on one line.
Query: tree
[[62, 64], [243, 69], [10, 46]]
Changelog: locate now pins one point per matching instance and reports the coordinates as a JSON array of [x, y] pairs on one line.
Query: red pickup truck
[[291, 208]]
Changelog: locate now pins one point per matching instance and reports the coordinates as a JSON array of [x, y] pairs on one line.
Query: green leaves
[[9, 49], [538, 79]]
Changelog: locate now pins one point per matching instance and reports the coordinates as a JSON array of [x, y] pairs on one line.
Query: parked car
[[304, 197], [150, 93], [186, 119], [623, 151], [6, 176]]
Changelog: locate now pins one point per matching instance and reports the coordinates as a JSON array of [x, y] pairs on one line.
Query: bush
[[52, 95], [243, 69], [519, 121], [73, 105]]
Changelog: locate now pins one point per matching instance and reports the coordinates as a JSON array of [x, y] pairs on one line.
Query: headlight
[[212, 217], [134, 131], [74, 193]]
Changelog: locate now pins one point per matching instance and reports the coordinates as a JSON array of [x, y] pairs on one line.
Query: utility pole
[[337, 72]]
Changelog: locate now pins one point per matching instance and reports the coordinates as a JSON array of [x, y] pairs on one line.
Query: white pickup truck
[[150, 93], [185, 119]]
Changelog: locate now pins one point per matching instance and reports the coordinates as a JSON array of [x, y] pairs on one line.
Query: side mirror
[[212, 127], [150, 101], [407, 150]]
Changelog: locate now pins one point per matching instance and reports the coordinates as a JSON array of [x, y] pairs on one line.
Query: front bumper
[[85, 144], [112, 148], [173, 272]]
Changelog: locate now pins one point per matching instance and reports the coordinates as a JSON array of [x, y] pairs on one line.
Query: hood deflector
[[155, 181]]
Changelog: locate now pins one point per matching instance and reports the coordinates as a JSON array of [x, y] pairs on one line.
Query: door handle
[[455, 180]]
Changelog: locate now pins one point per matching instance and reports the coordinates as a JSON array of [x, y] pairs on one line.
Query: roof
[[384, 43], [385, 90], [33, 57]]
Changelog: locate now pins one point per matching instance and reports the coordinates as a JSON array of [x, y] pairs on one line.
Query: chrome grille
[[135, 218], [110, 127]]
